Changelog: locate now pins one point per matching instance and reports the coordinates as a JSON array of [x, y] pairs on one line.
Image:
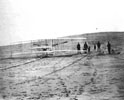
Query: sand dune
[[76, 77]]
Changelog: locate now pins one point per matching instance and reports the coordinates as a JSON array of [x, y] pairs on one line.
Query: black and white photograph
[[61, 50]]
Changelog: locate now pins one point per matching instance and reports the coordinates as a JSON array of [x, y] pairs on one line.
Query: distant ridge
[[117, 38], [94, 36], [94, 33]]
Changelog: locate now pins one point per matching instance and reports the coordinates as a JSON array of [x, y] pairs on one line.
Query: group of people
[[97, 46]]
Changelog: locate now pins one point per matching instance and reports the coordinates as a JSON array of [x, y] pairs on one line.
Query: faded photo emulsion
[[61, 50]]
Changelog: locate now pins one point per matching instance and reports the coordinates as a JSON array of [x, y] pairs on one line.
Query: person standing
[[89, 49], [98, 45], [78, 47], [85, 46], [94, 46], [109, 47]]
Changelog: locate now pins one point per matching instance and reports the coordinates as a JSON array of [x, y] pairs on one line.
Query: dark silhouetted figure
[[109, 47], [78, 48], [85, 46], [89, 49], [98, 44], [94, 47]]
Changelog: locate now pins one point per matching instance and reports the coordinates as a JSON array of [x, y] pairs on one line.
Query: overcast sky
[[22, 20]]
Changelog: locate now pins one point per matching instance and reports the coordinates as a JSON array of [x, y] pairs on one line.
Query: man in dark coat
[[94, 46], [78, 47], [109, 47], [98, 45], [89, 49], [85, 46]]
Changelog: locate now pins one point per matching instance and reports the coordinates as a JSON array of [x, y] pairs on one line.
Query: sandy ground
[[78, 77]]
